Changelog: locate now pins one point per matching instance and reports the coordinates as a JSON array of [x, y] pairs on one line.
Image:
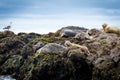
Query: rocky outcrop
[[6, 34], [42, 57]]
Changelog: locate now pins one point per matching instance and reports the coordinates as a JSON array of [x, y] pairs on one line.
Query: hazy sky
[[43, 16]]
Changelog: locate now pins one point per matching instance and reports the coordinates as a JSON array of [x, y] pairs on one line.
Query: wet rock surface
[[41, 57]]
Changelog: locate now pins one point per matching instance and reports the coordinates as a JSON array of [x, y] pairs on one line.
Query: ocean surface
[[3, 77]]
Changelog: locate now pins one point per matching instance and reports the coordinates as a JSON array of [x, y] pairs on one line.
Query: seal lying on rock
[[94, 32], [82, 36], [67, 33], [111, 29], [83, 48]]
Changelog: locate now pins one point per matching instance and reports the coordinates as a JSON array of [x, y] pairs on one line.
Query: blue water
[[6, 78]]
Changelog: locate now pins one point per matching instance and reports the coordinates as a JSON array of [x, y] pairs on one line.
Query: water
[[6, 78]]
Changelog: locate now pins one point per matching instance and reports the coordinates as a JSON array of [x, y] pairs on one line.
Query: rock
[[76, 54], [2, 35], [9, 33], [53, 61], [11, 45], [52, 67], [105, 69], [115, 54], [94, 32], [28, 50], [104, 62], [22, 34], [53, 48], [82, 69], [55, 67], [94, 47], [28, 37], [11, 65], [38, 45], [3, 58]]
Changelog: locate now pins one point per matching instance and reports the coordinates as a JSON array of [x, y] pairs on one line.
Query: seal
[[83, 48], [111, 29], [67, 33]]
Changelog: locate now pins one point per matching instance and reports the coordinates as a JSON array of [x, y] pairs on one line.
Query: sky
[[43, 16]]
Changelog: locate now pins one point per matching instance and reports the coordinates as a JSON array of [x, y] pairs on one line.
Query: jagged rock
[[53, 48]]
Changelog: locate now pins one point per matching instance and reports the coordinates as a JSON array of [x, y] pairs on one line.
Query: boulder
[[9, 33], [11, 45], [11, 65], [53, 48]]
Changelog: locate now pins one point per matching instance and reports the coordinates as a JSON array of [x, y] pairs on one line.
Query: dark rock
[[28, 37], [11, 65], [53, 61], [27, 50], [104, 69], [55, 67], [2, 35], [22, 34], [11, 45], [76, 54], [104, 62], [83, 71]]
